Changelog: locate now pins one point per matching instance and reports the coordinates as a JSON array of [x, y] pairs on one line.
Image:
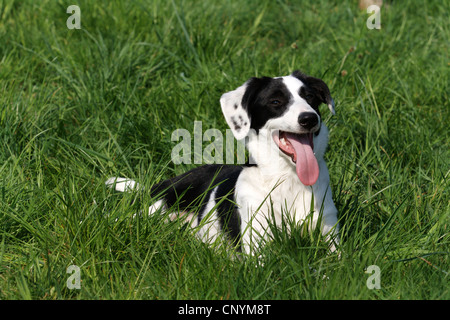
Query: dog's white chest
[[264, 198]]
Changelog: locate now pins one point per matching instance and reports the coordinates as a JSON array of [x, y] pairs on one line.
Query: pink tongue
[[307, 167]]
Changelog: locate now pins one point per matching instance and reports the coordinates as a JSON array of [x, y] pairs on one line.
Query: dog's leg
[[160, 204], [324, 207], [253, 231], [330, 229]]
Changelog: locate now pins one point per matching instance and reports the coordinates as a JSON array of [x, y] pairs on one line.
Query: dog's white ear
[[236, 116]]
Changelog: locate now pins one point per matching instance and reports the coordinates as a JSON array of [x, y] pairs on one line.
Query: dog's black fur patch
[[314, 91], [265, 98]]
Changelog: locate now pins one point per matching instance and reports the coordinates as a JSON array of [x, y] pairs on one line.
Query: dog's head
[[287, 110]]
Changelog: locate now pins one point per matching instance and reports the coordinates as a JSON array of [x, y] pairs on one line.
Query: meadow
[[78, 106]]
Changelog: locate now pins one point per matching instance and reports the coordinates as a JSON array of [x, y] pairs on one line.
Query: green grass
[[79, 106]]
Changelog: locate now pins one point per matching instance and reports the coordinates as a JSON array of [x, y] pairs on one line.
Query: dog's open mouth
[[300, 148]]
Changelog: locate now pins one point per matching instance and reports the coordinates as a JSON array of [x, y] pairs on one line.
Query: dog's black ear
[[236, 116], [319, 88]]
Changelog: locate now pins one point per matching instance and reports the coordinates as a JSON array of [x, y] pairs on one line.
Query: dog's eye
[[275, 102], [309, 96]]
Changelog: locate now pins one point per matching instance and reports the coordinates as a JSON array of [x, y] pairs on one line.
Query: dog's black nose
[[308, 120]]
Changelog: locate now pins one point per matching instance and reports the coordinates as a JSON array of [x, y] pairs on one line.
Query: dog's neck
[[271, 163]]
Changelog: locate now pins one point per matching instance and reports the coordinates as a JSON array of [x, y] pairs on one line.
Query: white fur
[[209, 230], [155, 207], [122, 184]]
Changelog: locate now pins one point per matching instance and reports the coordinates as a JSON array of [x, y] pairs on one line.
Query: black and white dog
[[280, 121]]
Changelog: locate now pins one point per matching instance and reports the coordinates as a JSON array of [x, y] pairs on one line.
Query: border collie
[[279, 120]]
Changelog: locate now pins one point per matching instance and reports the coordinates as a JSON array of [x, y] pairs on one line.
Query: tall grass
[[78, 106]]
